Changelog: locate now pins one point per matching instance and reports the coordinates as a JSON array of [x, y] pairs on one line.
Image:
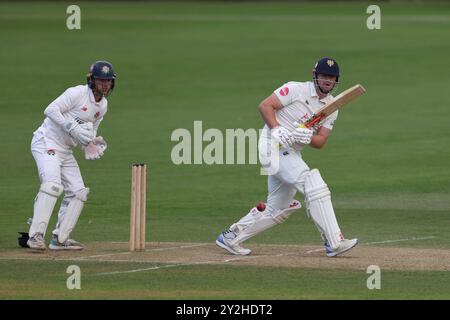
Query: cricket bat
[[336, 103]]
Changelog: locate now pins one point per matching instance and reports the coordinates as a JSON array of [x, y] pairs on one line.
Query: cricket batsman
[[72, 119], [283, 136]]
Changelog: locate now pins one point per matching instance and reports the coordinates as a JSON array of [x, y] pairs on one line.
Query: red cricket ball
[[261, 206]]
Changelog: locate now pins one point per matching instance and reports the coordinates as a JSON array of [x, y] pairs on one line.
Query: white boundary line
[[400, 240], [146, 250], [381, 242], [153, 268], [101, 255], [261, 256]]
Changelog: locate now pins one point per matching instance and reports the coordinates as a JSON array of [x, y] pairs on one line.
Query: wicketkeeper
[[283, 112], [72, 119]]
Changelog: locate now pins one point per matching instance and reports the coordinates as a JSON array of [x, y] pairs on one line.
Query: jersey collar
[[312, 89]]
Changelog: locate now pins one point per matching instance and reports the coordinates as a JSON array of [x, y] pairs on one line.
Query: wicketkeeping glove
[[95, 149], [82, 134]]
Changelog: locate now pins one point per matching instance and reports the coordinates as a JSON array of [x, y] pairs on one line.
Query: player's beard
[[102, 91], [328, 86], [325, 90]]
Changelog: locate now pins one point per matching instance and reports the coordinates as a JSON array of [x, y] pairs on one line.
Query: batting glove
[[283, 136], [302, 135]]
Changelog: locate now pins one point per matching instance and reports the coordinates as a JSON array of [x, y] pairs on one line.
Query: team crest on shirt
[[97, 115], [284, 91], [51, 152], [84, 108], [330, 63]]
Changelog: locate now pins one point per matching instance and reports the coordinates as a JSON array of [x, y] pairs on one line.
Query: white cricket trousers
[[289, 176], [59, 167]]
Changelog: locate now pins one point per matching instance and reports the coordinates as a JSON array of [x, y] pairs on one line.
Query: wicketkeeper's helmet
[[101, 70]]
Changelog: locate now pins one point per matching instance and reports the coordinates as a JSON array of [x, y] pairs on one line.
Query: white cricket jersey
[[76, 103], [300, 101]]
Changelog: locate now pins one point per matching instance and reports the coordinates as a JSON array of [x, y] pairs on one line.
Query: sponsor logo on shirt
[[84, 108], [97, 115], [284, 91]]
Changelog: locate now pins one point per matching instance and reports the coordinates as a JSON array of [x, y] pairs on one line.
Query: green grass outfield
[[386, 162]]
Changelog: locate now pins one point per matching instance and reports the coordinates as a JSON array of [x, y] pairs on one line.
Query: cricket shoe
[[223, 241], [37, 242], [69, 244], [344, 246]]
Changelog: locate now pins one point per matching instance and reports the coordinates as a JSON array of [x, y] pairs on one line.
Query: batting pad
[[320, 208], [252, 223], [44, 203], [72, 214]]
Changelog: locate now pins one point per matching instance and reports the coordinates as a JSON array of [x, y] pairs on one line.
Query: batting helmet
[[327, 66], [101, 70]]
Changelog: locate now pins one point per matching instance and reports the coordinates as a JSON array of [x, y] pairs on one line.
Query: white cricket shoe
[[37, 242], [223, 242], [344, 246], [70, 244]]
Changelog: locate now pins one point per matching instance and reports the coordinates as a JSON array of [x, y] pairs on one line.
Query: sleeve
[[287, 93], [330, 120], [61, 105]]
